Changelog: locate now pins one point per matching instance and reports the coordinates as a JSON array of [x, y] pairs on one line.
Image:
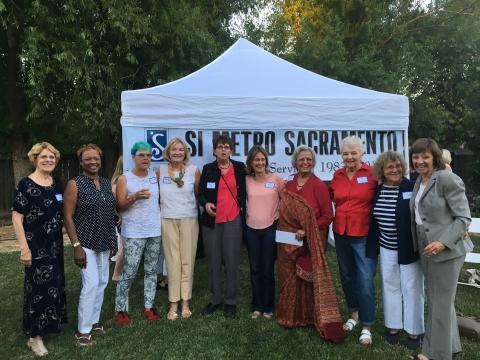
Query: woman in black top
[[38, 220], [90, 222], [222, 197]]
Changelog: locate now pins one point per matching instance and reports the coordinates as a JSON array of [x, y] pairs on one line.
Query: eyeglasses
[[223, 147], [144, 155]]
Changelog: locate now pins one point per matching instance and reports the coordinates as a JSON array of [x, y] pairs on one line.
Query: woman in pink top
[[263, 197]]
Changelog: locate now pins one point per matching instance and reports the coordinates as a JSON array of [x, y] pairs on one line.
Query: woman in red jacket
[[353, 189]]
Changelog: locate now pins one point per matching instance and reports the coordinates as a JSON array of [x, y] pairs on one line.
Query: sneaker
[[84, 339], [151, 314], [122, 318]]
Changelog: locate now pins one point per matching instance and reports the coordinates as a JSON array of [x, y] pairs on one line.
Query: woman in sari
[[307, 295]]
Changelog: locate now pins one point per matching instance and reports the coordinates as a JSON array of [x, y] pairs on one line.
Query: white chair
[[472, 257]]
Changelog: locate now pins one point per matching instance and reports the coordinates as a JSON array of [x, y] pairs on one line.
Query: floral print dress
[[44, 306]]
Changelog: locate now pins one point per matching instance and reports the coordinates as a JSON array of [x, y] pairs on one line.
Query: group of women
[[419, 230]]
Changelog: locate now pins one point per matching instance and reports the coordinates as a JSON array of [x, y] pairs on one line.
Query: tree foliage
[[76, 57], [429, 52]]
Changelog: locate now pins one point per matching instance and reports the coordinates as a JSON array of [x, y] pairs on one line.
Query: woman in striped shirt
[[390, 236]]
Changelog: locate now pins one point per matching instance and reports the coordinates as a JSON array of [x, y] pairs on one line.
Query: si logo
[[157, 138]]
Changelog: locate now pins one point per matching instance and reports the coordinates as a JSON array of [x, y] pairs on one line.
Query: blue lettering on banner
[[158, 139]]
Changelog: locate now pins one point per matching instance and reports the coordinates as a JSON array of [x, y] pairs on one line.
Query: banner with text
[[279, 144]]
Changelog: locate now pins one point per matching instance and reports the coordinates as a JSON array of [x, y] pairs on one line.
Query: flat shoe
[[268, 316], [414, 343], [392, 338], [350, 324], [98, 328], [256, 314]]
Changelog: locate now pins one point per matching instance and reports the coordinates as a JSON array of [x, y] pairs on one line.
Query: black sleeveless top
[[94, 216]]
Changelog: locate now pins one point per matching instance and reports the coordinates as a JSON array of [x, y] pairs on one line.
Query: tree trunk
[[110, 153], [15, 96]]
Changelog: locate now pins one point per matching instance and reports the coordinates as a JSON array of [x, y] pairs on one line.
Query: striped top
[[384, 213]]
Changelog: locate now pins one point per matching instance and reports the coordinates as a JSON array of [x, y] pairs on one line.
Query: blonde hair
[[166, 151], [447, 157], [38, 148], [118, 170], [88, 147], [352, 141]]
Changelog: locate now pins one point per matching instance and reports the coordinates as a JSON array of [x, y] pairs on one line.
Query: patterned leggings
[[134, 248]]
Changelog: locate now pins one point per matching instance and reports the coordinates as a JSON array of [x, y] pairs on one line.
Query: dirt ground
[[8, 242]]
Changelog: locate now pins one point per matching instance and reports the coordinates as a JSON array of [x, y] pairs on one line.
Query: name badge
[[362, 180], [269, 185], [153, 180], [210, 185], [406, 195], [59, 197], [167, 180]]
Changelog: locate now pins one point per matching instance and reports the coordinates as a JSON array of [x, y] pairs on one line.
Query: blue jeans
[[262, 251], [357, 273]]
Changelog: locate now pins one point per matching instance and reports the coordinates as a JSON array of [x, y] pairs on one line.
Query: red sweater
[[315, 193], [353, 200]]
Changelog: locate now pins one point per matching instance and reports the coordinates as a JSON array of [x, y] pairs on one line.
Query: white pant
[[402, 292], [94, 282]]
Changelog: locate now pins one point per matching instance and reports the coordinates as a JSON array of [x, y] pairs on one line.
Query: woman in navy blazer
[[390, 236]]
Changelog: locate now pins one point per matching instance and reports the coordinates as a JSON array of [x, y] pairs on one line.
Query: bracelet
[[76, 244]]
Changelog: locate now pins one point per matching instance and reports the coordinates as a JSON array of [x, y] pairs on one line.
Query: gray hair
[[447, 157], [352, 141], [298, 150], [383, 159]]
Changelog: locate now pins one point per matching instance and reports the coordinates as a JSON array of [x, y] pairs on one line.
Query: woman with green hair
[[137, 201]]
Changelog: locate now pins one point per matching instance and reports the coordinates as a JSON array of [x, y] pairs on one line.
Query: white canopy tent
[[248, 89]]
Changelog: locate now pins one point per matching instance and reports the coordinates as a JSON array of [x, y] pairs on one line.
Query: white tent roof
[[249, 88]]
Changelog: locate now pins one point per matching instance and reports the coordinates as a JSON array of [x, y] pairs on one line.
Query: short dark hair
[[429, 145], [251, 155], [88, 147], [223, 139]]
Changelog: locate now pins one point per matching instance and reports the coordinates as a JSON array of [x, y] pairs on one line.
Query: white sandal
[[365, 337], [350, 324]]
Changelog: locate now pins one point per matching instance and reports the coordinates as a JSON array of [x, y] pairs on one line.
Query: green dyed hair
[[140, 145]]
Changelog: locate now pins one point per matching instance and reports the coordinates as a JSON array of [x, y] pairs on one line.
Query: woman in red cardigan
[[353, 189]]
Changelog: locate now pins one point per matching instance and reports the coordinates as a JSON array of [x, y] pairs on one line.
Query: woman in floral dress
[[37, 219]]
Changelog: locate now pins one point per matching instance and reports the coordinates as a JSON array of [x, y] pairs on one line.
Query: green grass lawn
[[211, 337]]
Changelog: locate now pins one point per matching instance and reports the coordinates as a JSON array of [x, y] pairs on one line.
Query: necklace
[[177, 179], [225, 167]]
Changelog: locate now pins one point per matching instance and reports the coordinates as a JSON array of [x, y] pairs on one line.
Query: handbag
[[303, 268], [469, 326]]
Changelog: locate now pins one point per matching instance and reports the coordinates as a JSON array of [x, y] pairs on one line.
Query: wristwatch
[[76, 244]]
